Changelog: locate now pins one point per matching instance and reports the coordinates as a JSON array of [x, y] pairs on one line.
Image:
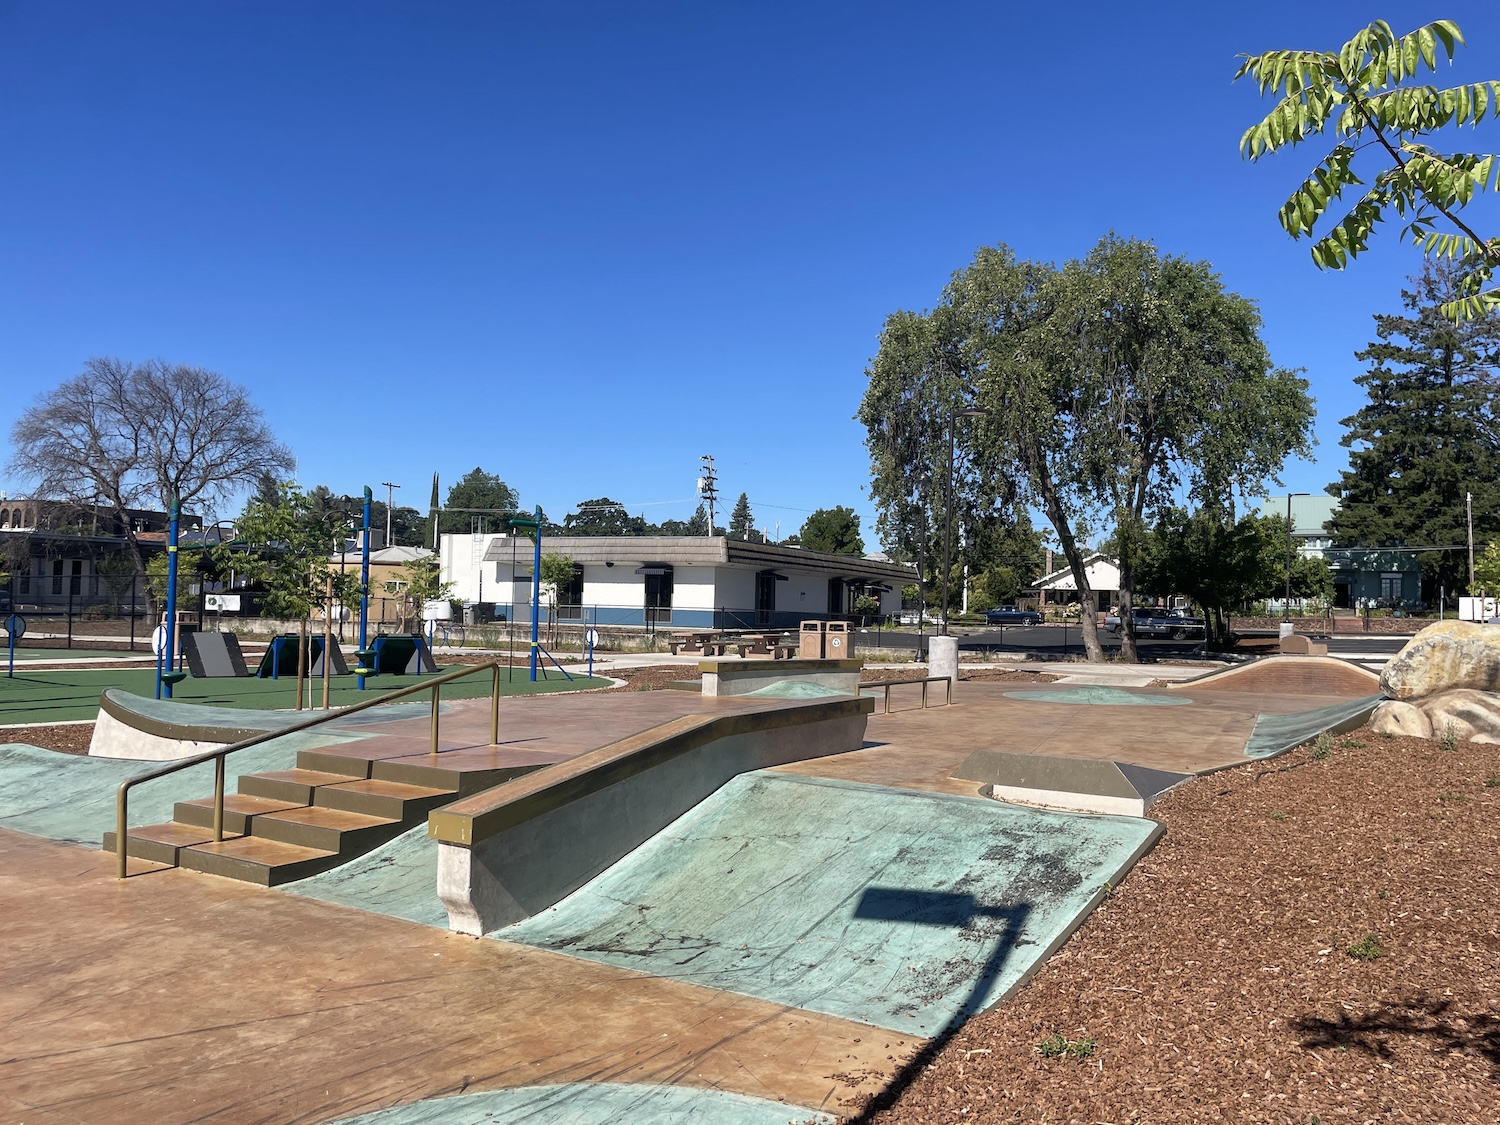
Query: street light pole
[[948, 507], [1286, 604]]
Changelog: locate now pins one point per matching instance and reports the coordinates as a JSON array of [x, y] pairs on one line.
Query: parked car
[[1152, 622], [1012, 615]]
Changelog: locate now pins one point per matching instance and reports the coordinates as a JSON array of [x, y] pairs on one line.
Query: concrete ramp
[[897, 908], [1289, 675]]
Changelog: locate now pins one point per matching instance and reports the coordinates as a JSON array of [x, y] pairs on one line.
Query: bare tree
[[121, 436]]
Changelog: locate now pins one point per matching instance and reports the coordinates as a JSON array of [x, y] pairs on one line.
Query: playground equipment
[[214, 655]]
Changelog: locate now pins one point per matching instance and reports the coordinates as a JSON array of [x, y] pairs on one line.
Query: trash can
[[836, 641], [810, 646]]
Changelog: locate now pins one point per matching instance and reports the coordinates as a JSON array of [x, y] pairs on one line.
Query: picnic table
[[707, 641], [769, 646]]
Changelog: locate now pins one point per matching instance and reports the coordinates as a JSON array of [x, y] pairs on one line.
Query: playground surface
[[794, 939], [72, 694]]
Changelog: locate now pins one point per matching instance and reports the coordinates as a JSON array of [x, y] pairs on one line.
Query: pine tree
[[1426, 437], [741, 522]]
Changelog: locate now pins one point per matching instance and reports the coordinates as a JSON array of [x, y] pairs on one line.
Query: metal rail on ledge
[[122, 796], [923, 680]]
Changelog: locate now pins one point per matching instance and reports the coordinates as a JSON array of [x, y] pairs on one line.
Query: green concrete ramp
[[898, 908]]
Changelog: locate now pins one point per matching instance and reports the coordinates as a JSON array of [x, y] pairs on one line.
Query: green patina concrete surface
[[601, 1103], [794, 689], [1276, 733], [72, 799], [64, 694], [397, 879], [892, 907], [1098, 697]]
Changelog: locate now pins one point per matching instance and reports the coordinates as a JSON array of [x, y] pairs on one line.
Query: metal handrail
[[923, 680], [122, 795]]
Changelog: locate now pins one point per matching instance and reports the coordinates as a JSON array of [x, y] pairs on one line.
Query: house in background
[[1387, 575], [1058, 587], [681, 581]]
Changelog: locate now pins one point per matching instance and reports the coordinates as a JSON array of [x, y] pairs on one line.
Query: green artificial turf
[[73, 694]]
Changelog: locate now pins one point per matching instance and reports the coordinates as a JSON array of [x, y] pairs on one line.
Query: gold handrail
[[122, 795], [923, 680]]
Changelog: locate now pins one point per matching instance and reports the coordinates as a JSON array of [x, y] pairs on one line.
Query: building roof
[[386, 556], [1096, 564], [1309, 513], [694, 550]]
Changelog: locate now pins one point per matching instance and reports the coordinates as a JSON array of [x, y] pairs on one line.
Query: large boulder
[[1467, 715], [1445, 656], [1396, 717]]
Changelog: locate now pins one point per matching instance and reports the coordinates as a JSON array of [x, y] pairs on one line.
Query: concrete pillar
[[942, 657]]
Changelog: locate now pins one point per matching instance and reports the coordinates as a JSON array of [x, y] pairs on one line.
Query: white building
[[686, 582], [1059, 587]]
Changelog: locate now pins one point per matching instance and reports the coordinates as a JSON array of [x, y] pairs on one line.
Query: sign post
[[15, 627]]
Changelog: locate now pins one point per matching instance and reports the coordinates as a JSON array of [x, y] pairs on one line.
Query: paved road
[[1058, 640]]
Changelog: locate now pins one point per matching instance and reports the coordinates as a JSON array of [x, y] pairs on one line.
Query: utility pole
[[1469, 506], [390, 494], [708, 488]]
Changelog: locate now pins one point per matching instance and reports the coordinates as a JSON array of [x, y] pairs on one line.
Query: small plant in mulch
[[1492, 781], [1056, 1047], [1448, 797], [1353, 744], [1367, 948], [1280, 816], [1322, 747], [1449, 741], [1383, 893]]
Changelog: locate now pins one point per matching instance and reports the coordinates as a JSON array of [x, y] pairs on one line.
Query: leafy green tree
[[189, 574], [1215, 560], [557, 573], [1426, 436], [697, 526], [477, 496], [283, 548], [1487, 570], [835, 530], [1110, 385], [603, 517], [1368, 94], [416, 584]]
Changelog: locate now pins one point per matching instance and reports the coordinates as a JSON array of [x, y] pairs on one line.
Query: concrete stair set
[[288, 824]]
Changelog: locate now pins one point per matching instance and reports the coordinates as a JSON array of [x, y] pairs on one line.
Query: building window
[[658, 594], [1390, 586], [570, 597], [75, 578], [57, 576]]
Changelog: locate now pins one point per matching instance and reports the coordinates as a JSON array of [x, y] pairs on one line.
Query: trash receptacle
[[810, 646], [836, 640]]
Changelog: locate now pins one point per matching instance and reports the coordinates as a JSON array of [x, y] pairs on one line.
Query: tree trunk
[[301, 660], [1088, 618], [1128, 652]]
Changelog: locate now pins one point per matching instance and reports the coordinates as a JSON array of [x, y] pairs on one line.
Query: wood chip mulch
[[1315, 939], [66, 738], [965, 673]]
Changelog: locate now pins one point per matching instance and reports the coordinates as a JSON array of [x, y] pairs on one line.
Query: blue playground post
[[536, 588], [364, 589]]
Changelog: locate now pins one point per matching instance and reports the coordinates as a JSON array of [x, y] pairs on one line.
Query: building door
[[765, 597], [836, 598], [658, 595]]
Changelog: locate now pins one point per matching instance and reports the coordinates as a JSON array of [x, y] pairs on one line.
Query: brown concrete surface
[[916, 749], [172, 997], [1290, 675]]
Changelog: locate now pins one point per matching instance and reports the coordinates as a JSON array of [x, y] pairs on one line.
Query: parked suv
[[1012, 615]]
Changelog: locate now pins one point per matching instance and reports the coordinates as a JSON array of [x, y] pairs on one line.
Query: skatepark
[[666, 905]]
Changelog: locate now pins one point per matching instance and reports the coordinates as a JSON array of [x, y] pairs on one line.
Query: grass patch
[[1056, 1047], [1367, 948]]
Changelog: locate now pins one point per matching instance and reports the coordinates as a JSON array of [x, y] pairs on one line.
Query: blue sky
[[580, 244]]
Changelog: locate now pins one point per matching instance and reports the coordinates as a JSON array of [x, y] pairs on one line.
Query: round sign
[[159, 640], [835, 641], [15, 625], [593, 637]]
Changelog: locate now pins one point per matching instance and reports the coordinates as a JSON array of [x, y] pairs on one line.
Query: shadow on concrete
[[956, 911]]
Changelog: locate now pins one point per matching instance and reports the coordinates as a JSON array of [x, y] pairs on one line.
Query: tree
[[1215, 560], [1487, 571], [121, 436], [1110, 386], [418, 583], [1368, 95], [697, 526], [603, 517], [835, 530], [284, 549], [1426, 436], [478, 496], [742, 522]]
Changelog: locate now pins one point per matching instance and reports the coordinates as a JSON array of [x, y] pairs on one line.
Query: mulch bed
[[1233, 976], [66, 738], [965, 673]]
